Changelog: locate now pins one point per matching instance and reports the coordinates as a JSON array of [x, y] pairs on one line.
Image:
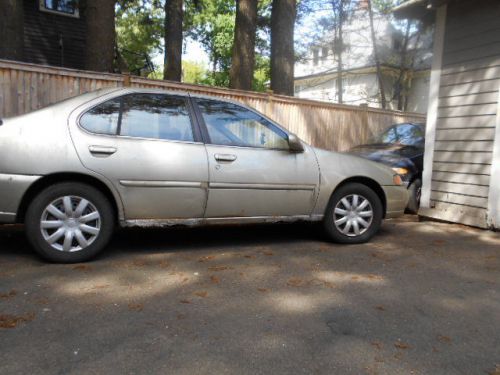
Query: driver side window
[[231, 125]]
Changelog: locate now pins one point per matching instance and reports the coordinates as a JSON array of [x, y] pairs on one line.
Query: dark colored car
[[401, 147]]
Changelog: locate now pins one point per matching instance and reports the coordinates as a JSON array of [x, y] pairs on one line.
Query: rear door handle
[[102, 150], [225, 157]]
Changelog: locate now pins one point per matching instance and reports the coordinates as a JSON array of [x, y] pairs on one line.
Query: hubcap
[[353, 215], [70, 224]]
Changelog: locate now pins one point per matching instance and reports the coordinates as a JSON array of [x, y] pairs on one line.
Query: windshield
[[402, 134]]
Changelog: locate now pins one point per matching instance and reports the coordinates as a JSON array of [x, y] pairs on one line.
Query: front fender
[[337, 167]]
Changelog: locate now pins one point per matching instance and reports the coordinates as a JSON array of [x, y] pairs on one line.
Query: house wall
[[357, 88], [53, 39], [459, 158], [362, 88], [419, 93]]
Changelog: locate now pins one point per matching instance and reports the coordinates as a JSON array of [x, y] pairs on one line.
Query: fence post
[[126, 80]]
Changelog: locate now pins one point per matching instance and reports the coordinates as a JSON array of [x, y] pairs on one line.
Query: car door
[[253, 173], [151, 150]]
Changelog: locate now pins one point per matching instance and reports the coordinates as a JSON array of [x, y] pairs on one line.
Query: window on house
[[63, 7], [324, 53], [315, 56]]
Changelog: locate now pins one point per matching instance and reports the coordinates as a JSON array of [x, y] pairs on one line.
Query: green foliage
[[212, 25], [262, 74], [193, 72], [139, 32], [140, 29]]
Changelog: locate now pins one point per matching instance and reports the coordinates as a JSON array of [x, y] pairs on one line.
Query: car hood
[[389, 154]]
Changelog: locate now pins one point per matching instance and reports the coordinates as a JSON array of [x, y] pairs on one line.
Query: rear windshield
[[402, 134]]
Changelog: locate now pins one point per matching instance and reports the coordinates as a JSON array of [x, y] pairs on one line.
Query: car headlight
[[401, 171], [397, 180]]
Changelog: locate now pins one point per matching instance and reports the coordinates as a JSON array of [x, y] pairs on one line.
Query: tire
[[76, 236], [414, 190], [338, 212]]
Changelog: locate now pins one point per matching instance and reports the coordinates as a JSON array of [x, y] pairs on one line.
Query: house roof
[[421, 9]]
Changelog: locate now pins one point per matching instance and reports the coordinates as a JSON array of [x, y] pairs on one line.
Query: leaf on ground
[[439, 242], [267, 253], [8, 295], [181, 316], [377, 344], [374, 277], [135, 306], [444, 339], [263, 290], [139, 263], [42, 301], [496, 371], [398, 355], [202, 294], [249, 256], [214, 279], [380, 307], [101, 286], [206, 259], [218, 268], [82, 267], [355, 278], [164, 264], [185, 301], [294, 281], [401, 345], [12, 321]]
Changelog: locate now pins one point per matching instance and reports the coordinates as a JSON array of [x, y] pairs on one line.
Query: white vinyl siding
[[467, 113]]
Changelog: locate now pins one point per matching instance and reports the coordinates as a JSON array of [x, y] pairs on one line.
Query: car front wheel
[[69, 222], [354, 214]]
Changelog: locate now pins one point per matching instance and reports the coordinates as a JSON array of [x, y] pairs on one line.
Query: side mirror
[[295, 144]]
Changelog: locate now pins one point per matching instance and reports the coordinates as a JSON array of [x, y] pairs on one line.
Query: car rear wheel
[[69, 222], [354, 214]]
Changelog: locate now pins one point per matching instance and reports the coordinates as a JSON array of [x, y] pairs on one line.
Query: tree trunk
[[398, 89], [174, 16], [282, 48], [243, 59], [100, 48], [383, 101], [11, 29]]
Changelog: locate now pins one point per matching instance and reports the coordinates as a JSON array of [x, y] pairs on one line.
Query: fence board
[[25, 87]]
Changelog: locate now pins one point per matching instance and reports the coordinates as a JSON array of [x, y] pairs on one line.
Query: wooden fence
[[27, 87]]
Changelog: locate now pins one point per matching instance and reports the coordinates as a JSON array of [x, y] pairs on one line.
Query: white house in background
[[316, 75]]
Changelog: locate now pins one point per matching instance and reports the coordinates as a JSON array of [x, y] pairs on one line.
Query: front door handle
[[225, 157], [102, 150]]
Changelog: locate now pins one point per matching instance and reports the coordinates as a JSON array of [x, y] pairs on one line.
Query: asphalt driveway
[[422, 298]]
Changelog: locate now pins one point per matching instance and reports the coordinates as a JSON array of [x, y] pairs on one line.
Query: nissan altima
[[74, 171]]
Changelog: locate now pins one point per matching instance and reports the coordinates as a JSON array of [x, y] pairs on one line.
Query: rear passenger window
[[156, 116], [102, 119]]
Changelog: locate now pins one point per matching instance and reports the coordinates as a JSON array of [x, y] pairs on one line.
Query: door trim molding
[[161, 184], [244, 186]]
